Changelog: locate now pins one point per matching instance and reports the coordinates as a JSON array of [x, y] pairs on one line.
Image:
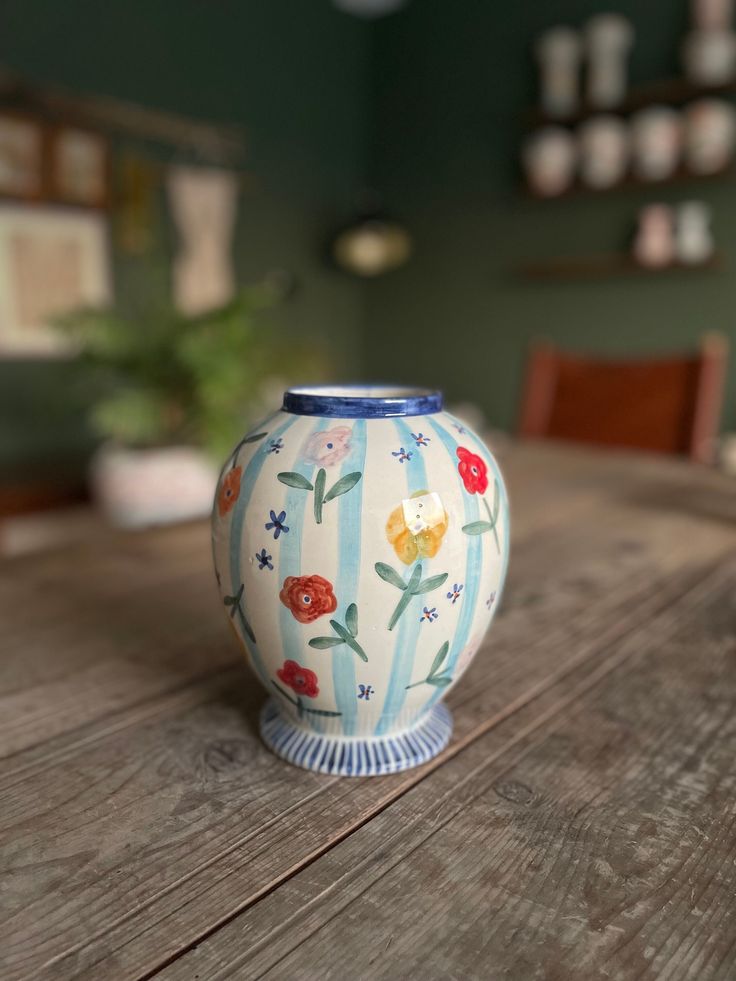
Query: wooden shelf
[[611, 265], [665, 91], [681, 177]]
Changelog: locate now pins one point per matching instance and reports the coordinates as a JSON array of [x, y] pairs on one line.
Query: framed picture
[[52, 261], [79, 168], [21, 156]]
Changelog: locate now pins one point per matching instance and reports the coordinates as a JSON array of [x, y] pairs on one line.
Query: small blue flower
[[276, 446], [428, 615], [366, 691], [491, 598], [277, 524], [264, 559], [402, 455], [460, 429], [420, 439], [454, 593]]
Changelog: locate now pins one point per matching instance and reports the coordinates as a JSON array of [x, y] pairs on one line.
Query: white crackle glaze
[[343, 550]]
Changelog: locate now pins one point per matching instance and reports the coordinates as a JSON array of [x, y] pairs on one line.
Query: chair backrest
[[665, 405]]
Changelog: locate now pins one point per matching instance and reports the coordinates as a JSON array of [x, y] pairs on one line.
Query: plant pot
[[361, 539], [137, 488]]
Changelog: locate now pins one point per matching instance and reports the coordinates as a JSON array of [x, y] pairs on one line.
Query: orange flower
[[229, 491], [410, 546], [308, 597]]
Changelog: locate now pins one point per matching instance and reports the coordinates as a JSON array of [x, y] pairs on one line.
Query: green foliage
[[163, 377]]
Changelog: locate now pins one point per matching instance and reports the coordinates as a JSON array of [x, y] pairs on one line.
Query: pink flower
[[328, 447]]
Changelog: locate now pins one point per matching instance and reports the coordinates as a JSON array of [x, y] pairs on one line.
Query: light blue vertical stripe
[[473, 565], [407, 629], [289, 562], [247, 483], [349, 517], [504, 507]]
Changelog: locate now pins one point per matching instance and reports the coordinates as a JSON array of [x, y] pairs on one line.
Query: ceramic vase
[[360, 539]]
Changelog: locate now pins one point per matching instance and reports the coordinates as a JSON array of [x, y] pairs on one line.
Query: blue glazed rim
[[362, 401]]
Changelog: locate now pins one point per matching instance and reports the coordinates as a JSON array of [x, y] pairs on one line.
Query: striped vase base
[[346, 756]]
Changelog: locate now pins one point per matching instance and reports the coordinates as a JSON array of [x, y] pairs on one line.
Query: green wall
[[451, 83], [293, 74]]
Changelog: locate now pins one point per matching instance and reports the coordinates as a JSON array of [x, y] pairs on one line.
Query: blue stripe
[[473, 564], [407, 629], [289, 562], [247, 483], [349, 517]]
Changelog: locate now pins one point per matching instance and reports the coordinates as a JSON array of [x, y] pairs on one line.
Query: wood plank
[[122, 850], [598, 842]]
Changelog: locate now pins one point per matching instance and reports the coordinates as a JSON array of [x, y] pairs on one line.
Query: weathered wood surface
[[139, 815]]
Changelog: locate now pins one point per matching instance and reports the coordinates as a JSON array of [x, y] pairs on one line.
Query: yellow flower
[[423, 539]]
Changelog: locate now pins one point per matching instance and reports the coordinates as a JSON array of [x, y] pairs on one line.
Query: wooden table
[[581, 825]]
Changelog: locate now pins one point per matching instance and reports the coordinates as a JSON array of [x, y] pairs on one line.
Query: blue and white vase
[[361, 538]]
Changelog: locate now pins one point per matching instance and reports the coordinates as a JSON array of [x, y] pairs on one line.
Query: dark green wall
[[292, 73], [451, 83]]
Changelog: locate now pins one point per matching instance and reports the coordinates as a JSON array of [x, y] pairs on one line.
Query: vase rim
[[361, 401]]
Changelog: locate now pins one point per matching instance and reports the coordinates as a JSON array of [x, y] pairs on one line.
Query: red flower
[[229, 491], [308, 597], [473, 471], [302, 680]]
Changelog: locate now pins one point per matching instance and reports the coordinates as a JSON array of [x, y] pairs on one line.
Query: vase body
[[360, 540]]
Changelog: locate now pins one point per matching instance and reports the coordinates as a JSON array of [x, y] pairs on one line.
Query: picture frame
[[65, 249], [22, 145], [79, 167]]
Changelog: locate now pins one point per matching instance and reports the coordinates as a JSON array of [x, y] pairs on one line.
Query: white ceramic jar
[[360, 538]]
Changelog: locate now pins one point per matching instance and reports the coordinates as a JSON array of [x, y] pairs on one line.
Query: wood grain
[[593, 839], [139, 812]]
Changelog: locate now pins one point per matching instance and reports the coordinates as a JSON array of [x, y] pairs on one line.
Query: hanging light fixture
[[371, 244], [369, 8]]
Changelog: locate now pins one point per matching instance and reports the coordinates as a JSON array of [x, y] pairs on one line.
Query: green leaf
[[255, 437], [354, 645], [340, 631], [322, 643], [440, 657], [442, 682], [477, 527], [292, 479], [351, 619], [426, 585], [389, 575], [319, 494], [414, 578], [343, 485]]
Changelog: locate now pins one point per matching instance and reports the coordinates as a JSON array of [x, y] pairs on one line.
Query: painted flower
[[473, 471], [328, 447], [229, 490], [420, 439], [402, 455], [409, 546], [460, 429], [454, 593], [299, 679], [276, 446], [264, 559], [308, 597], [491, 598], [428, 616], [277, 523]]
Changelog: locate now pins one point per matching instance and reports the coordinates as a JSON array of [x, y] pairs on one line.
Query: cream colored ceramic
[[361, 540]]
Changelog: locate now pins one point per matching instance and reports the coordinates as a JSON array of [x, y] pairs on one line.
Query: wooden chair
[[665, 405]]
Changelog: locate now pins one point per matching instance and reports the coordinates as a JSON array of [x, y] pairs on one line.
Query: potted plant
[[172, 394]]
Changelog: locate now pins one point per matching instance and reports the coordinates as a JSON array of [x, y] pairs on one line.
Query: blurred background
[[203, 202]]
